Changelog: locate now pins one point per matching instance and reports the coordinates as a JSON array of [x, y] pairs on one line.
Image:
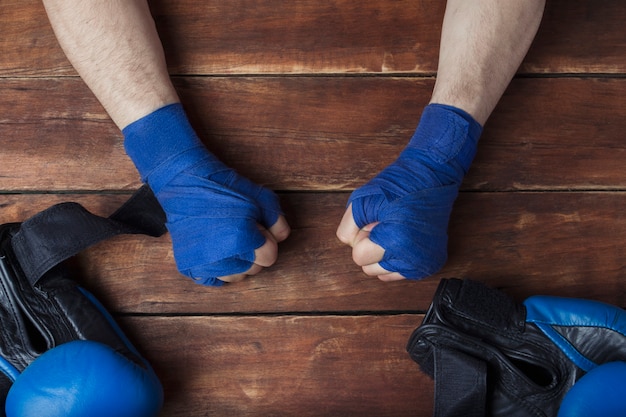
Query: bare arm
[[482, 45], [115, 47], [116, 50]]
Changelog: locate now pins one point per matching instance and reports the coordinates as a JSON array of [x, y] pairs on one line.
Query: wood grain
[[313, 99], [341, 131], [567, 244], [333, 37], [284, 366]]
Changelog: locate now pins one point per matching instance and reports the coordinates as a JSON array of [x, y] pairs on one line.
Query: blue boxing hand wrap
[[412, 198], [212, 212]]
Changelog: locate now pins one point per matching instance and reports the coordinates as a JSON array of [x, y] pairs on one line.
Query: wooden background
[[312, 99]]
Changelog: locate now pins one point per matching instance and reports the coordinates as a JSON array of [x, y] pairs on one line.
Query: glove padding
[[490, 355], [588, 332], [600, 393], [84, 378]]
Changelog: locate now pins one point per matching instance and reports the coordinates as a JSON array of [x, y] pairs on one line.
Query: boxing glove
[[593, 336], [84, 378], [61, 352], [600, 393], [492, 356]]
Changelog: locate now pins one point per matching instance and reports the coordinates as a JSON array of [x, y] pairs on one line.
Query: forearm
[[116, 50], [483, 42]]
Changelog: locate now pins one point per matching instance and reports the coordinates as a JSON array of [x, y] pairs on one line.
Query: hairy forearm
[[115, 48], [483, 42]]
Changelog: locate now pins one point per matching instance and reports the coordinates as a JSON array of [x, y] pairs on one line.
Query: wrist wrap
[[413, 197], [212, 212]]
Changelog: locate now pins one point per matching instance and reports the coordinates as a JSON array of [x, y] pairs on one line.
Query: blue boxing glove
[[61, 353], [490, 355], [589, 333], [593, 336], [600, 393], [84, 378], [411, 199], [212, 212]]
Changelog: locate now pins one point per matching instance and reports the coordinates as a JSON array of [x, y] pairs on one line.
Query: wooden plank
[[27, 42], [567, 244], [554, 134], [303, 36], [284, 366], [579, 36], [54, 133], [306, 36], [312, 335], [340, 130]]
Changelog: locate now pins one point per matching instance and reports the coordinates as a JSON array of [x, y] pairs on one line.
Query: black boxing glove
[[61, 353], [491, 356]]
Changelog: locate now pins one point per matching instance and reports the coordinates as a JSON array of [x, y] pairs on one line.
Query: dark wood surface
[[313, 99]]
